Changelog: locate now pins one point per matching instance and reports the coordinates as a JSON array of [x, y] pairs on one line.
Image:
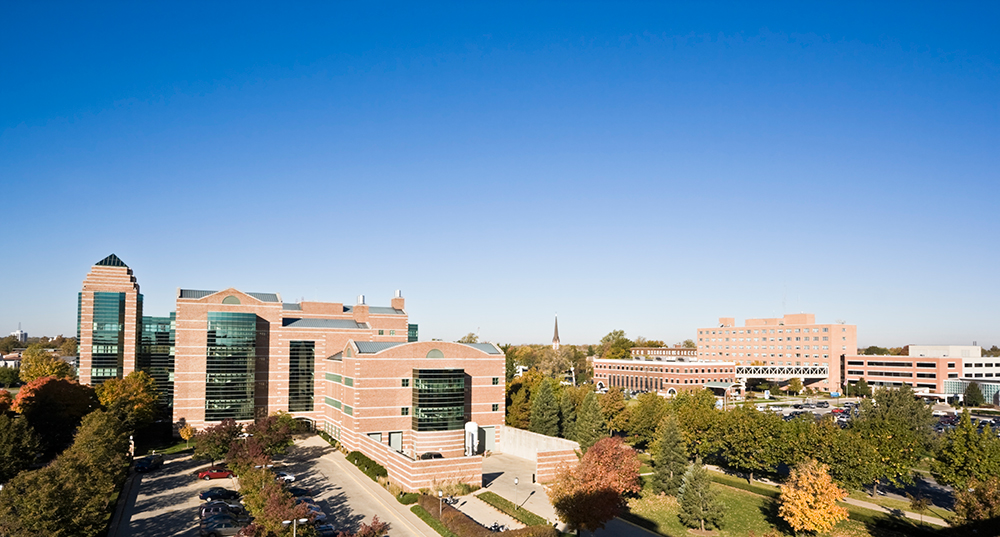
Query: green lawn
[[164, 449], [646, 461], [903, 505]]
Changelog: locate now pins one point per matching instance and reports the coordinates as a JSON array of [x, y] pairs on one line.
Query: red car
[[213, 473], [838, 411]]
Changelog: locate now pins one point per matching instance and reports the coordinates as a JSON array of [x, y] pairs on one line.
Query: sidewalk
[[897, 512], [484, 513]]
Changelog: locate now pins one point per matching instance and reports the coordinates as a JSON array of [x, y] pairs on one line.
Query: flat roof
[[348, 324]]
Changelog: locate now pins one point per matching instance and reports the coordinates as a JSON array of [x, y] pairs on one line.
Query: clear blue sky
[[630, 166]]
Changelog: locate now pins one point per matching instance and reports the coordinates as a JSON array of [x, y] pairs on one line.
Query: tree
[[862, 389], [616, 346], [689, 344], [795, 386], [132, 398], [18, 446], [268, 501], [567, 414], [696, 414], [68, 347], [273, 432], [966, 454], [545, 411], [853, 461], [614, 409], [588, 496], [213, 443], [6, 401], [519, 408], [510, 363], [919, 503], [590, 426], [698, 502], [670, 459], [809, 499], [973, 395], [644, 418], [880, 351], [54, 408], [979, 501], [37, 363], [469, 338], [747, 440], [9, 376], [898, 426], [187, 432], [8, 344]]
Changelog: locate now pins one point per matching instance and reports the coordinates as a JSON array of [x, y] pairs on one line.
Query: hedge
[[408, 498], [431, 521], [371, 468], [506, 506], [462, 526]]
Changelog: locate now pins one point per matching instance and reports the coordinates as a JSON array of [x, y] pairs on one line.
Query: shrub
[[370, 468], [434, 523], [408, 498]]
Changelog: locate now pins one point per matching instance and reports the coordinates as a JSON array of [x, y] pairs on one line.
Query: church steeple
[[555, 335]]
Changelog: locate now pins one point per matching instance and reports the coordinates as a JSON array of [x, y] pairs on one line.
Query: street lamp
[[294, 522], [440, 496], [515, 493]]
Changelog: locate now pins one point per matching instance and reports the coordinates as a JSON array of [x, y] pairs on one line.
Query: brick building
[[665, 375]]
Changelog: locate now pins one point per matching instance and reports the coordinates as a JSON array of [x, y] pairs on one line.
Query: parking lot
[[164, 502]]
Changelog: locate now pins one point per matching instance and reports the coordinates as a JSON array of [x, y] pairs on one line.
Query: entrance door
[[396, 441], [487, 439]]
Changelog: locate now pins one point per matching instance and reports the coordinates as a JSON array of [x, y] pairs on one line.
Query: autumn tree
[[809, 499], [590, 426], [68, 347], [965, 454], [6, 401], [274, 432], [469, 338], [670, 458], [898, 426], [54, 408], [187, 432], [268, 501], [973, 395], [616, 346], [545, 411], [213, 443], [699, 505], [979, 501], [588, 496], [38, 363], [18, 446], [614, 409], [689, 344], [518, 407], [747, 440], [132, 398]]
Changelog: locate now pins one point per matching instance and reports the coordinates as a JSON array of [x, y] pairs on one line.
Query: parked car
[[221, 508], [148, 463], [219, 493], [214, 473], [326, 530], [823, 404], [299, 492], [837, 411], [285, 476], [221, 528]]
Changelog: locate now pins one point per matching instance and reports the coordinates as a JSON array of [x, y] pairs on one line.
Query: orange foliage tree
[[593, 493], [809, 499], [54, 408]]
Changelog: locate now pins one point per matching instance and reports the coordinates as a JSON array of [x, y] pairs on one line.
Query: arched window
[[230, 300], [435, 353]]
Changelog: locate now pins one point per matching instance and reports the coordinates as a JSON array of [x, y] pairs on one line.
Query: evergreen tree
[[699, 505], [567, 415], [973, 395], [670, 459], [545, 411], [590, 426], [519, 407], [862, 389]]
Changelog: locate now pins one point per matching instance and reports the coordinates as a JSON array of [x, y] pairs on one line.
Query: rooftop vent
[[361, 300], [399, 294]]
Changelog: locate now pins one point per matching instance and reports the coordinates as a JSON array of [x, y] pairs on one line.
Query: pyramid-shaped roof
[[111, 261]]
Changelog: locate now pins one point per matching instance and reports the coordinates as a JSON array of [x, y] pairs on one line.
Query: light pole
[[515, 493], [294, 522], [440, 496]]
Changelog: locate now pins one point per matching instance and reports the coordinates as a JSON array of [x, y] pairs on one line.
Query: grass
[[431, 521], [503, 505], [646, 461], [166, 449], [762, 489]]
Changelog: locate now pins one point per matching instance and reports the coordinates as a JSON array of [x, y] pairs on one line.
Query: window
[[381, 332], [405, 411], [301, 355], [392, 332], [496, 407], [348, 410], [406, 383], [348, 381], [496, 381]]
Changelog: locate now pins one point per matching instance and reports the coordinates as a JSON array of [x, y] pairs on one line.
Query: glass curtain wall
[[156, 354], [108, 349], [229, 367], [301, 357], [438, 399]]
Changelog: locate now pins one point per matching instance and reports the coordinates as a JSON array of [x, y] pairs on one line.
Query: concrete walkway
[[499, 471], [484, 513], [897, 512]]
